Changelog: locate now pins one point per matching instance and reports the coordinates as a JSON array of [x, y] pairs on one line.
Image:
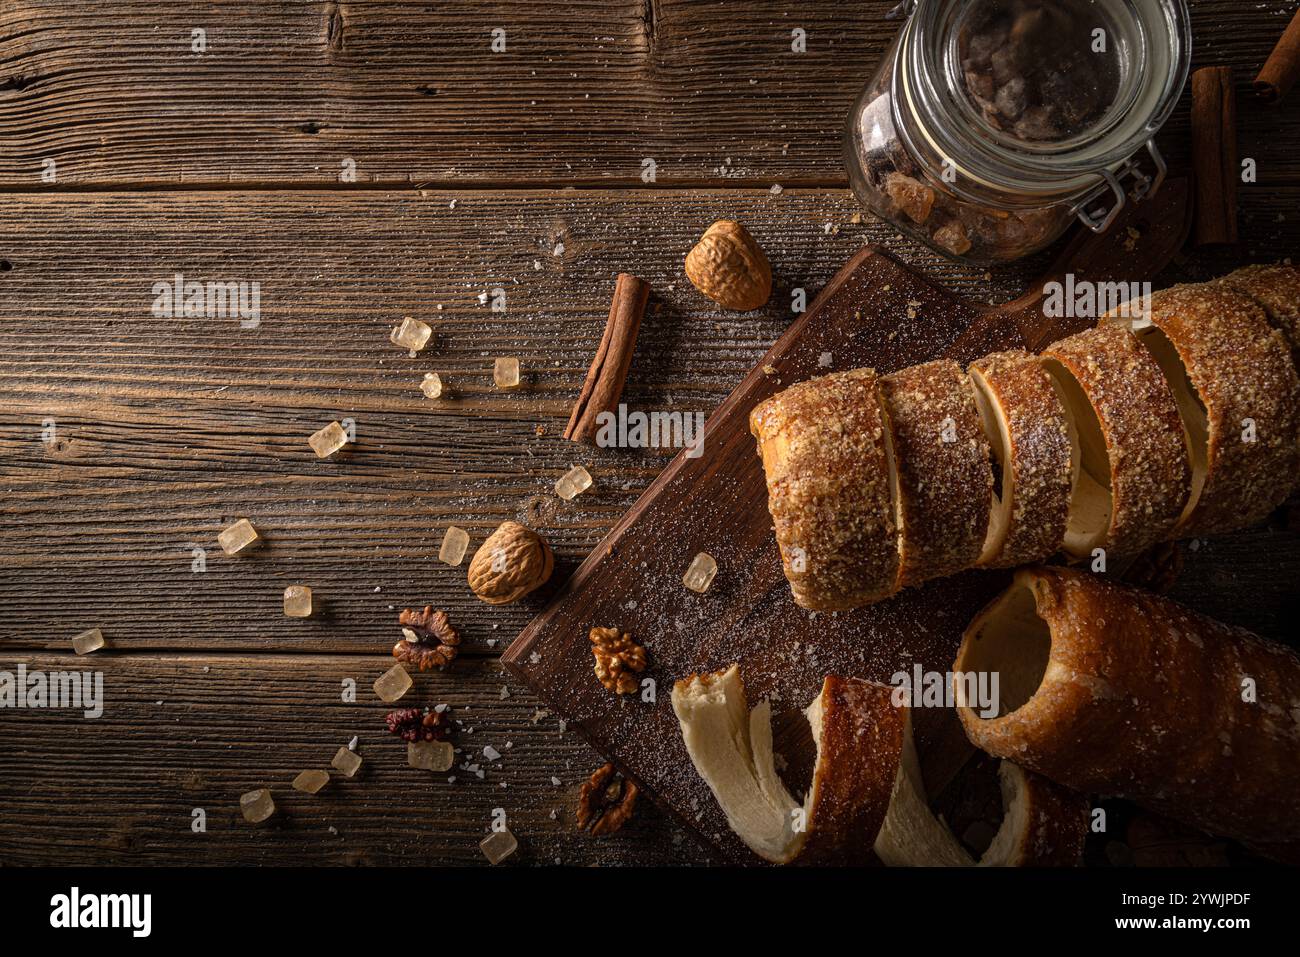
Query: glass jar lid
[[1046, 99]]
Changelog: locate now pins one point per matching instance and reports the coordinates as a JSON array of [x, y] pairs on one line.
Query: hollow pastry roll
[[830, 489], [1239, 397], [1132, 476], [1277, 290], [941, 457], [858, 733], [1110, 690], [1029, 435]]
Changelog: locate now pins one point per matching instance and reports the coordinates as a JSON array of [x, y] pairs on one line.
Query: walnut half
[[618, 658], [429, 640], [605, 802]]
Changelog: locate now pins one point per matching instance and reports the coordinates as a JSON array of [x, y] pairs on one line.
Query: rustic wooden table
[[361, 162]]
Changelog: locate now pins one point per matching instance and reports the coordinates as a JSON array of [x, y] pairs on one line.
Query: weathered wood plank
[[185, 732], [167, 429], [285, 93]]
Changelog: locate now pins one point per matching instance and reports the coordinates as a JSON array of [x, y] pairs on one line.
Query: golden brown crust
[[1150, 477], [828, 483], [1248, 419], [1037, 475], [1142, 699], [1052, 824], [859, 748], [1277, 289], [945, 481]]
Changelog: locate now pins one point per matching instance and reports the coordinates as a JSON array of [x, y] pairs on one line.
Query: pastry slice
[[1277, 290], [1110, 690], [830, 490], [1032, 456], [944, 476], [858, 733], [1132, 478], [1043, 825], [1237, 391]]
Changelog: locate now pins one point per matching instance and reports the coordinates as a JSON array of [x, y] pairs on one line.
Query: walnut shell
[[728, 267], [512, 562]]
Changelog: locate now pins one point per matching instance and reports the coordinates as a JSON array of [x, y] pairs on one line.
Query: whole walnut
[[511, 563]]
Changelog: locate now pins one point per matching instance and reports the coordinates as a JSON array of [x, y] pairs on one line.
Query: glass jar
[[992, 125]]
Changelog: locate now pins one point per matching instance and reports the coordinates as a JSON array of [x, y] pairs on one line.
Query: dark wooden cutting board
[[717, 503]]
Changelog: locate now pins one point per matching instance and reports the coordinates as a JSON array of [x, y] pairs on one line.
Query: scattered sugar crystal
[[311, 781], [573, 483], [555, 781], [430, 755], [412, 334], [257, 805], [505, 373], [431, 386], [393, 683], [88, 641], [347, 762], [491, 753], [454, 545], [497, 846], [297, 601], [699, 576], [328, 440], [352, 745], [237, 537]]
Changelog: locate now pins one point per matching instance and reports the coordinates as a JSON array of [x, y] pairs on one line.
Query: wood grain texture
[[168, 428], [412, 93], [716, 503], [186, 731]]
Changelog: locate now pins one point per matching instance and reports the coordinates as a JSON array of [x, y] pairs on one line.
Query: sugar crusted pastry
[[830, 489], [1110, 690]]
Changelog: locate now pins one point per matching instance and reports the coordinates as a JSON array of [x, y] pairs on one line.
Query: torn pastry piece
[[1031, 446], [1132, 477], [945, 481], [1276, 289], [1109, 690], [858, 733], [1237, 391], [830, 490], [1043, 825]]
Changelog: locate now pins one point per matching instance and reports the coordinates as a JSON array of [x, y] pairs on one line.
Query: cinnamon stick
[[609, 369], [1214, 146], [1282, 68]]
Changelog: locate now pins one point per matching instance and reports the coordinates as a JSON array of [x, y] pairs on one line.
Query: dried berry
[[617, 657], [429, 640], [606, 801], [414, 724]]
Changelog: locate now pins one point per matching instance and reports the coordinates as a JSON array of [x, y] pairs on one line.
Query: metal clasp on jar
[[1099, 219], [902, 11]]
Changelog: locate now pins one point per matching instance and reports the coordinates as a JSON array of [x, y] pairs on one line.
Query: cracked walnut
[[429, 640], [618, 657]]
